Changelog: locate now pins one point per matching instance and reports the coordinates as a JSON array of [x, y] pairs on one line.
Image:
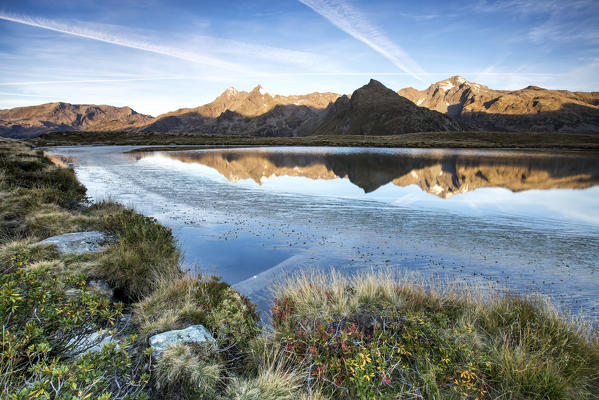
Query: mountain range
[[453, 104]]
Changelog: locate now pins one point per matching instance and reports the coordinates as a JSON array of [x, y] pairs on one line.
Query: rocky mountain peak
[[530, 109], [259, 90], [374, 92], [532, 87], [374, 109]]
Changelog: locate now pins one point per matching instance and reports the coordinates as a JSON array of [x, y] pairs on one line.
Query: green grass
[[470, 139], [144, 253]]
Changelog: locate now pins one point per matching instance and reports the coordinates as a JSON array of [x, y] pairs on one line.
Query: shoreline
[[457, 140]]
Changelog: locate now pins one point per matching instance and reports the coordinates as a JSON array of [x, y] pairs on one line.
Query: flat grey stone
[[78, 242], [191, 334]]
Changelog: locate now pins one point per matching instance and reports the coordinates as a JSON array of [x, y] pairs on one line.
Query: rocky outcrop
[[377, 110], [191, 334], [23, 122], [78, 242], [529, 109]]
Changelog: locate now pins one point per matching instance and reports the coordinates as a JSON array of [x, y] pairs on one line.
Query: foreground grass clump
[[229, 316], [189, 371], [373, 336], [144, 252]]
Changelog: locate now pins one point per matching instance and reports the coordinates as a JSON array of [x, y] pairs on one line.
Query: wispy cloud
[[62, 82], [565, 21], [534, 7], [356, 24], [81, 31]]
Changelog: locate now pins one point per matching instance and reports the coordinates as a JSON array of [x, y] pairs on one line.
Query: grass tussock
[[378, 335], [230, 317], [188, 372], [144, 252], [276, 377], [39, 199]]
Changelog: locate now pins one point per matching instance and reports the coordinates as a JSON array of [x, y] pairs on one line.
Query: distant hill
[[33, 121], [449, 105], [529, 109]]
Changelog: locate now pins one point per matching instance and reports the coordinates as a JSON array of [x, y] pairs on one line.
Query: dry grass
[[318, 296], [186, 372], [275, 378], [163, 309], [533, 350]]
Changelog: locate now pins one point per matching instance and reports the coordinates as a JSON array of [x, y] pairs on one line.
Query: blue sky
[[157, 56]]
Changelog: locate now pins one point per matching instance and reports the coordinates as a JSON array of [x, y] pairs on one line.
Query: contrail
[[354, 23], [51, 25], [27, 83]]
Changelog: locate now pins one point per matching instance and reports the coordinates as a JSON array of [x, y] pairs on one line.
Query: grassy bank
[[424, 140], [366, 337]]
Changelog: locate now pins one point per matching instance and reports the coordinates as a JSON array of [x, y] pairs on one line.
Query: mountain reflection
[[442, 173]]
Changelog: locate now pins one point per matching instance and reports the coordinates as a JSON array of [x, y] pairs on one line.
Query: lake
[[523, 221]]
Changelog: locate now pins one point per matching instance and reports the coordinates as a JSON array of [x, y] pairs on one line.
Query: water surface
[[520, 220]]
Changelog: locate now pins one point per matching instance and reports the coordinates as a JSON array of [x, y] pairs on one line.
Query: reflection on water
[[443, 173], [525, 220]]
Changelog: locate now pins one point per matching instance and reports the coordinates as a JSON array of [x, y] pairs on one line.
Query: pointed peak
[[229, 93], [457, 79], [260, 89], [450, 83], [375, 83]]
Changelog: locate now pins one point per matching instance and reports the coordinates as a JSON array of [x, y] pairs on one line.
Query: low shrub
[[46, 319], [103, 375], [144, 252]]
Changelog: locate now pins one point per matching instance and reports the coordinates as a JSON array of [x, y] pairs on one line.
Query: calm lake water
[[519, 220]]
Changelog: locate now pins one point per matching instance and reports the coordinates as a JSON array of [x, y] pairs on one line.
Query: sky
[[157, 56]]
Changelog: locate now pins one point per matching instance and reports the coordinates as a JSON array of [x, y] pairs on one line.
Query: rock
[[191, 334], [93, 343], [78, 242], [102, 287]]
